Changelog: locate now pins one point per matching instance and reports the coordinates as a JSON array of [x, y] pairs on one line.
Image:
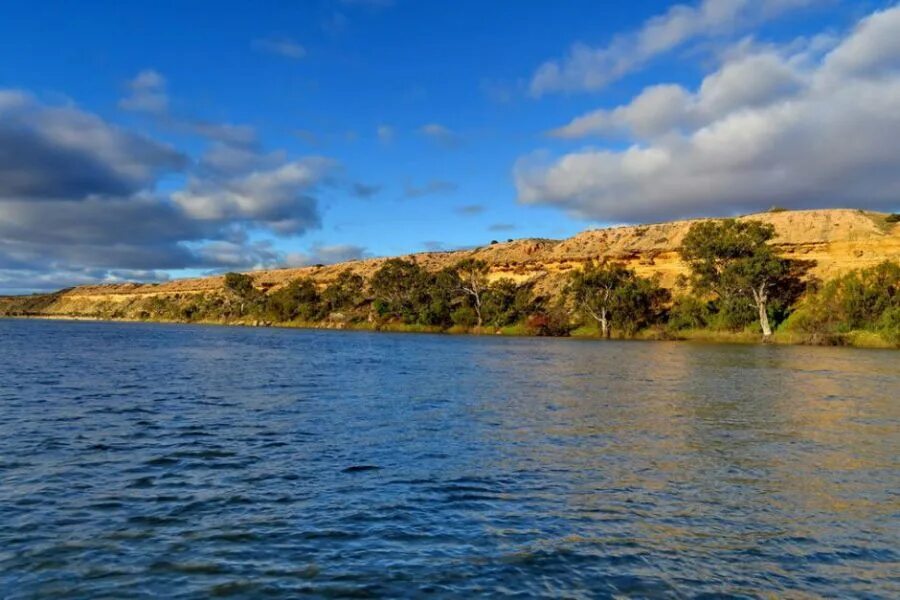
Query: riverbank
[[852, 339]]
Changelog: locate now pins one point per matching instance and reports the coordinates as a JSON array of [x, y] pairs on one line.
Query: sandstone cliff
[[837, 240]]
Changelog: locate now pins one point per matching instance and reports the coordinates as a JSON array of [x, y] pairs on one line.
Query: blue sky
[[225, 135]]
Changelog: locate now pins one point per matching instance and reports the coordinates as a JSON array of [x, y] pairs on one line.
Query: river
[[180, 461]]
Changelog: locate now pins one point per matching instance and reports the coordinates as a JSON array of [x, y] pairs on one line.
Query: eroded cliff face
[[836, 240]]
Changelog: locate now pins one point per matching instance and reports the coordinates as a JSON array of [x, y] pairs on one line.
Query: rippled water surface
[[187, 462]]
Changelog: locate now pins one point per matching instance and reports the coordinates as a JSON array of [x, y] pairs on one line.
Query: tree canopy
[[733, 261]]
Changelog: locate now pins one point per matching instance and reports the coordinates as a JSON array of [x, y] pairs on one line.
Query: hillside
[[837, 240]]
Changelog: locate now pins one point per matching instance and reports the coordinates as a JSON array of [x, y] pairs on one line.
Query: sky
[[155, 140]]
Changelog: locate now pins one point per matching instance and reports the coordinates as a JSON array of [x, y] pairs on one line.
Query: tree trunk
[[761, 300], [604, 325]]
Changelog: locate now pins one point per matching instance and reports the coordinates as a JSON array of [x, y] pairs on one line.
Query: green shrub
[[893, 218], [889, 325], [689, 312], [464, 316]]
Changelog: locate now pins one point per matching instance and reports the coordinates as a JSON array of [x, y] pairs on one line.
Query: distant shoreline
[[855, 339]]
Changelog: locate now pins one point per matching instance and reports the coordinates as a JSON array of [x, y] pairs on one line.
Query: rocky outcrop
[[837, 241]]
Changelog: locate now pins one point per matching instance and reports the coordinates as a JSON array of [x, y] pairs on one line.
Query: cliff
[[837, 241]]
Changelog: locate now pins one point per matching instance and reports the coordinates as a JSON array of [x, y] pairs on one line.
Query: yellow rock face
[[837, 240]]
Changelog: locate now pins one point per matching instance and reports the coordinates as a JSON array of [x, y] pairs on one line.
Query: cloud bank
[[81, 201], [588, 68], [805, 126]]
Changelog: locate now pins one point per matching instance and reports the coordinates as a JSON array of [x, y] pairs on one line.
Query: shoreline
[[855, 339]]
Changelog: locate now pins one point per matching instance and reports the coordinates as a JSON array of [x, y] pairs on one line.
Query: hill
[[838, 241]]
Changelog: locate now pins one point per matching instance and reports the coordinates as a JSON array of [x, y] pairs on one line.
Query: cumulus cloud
[[440, 134], [588, 68], [280, 198], [282, 46], [326, 255], [766, 128], [435, 186], [146, 93], [62, 152], [79, 199], [745, 82]]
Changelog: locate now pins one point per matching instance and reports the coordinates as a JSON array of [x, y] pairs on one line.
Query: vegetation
[[893, 218], [738, 287], [732, 262], [866, 300], [616, 298]]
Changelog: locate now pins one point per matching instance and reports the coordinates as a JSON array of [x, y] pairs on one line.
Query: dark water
[[188, 462]]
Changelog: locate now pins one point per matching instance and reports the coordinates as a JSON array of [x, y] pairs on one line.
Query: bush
[[464, 316], [549, 323], [689, 312], [889, 325], [893, 218]]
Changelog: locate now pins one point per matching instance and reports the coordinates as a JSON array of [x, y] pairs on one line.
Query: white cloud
[[746, 81], [320, 254], [588, 68], [765, 128], [279, 198], [440, 134], [282, 46], [385, 133], [79, 199], [146, 93]]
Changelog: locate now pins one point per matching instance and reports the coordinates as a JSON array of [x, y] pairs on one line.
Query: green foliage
[[239, 284], [297, 300], [867, 300], [893, 218], [777, 209], [506, 303], [399, 289], [889, 325], [464, 316], [246, 299], [616, 298], [689, 312], [732, 261], [459, 295], [344, 293], [473, 284]]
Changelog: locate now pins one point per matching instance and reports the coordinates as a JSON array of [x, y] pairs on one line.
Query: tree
[[443, 298], [868, 299], [473, 282], [344, 292], [399, 289], [733, 261], [506, 302], [298, 299], [615, 296], [241, 288]]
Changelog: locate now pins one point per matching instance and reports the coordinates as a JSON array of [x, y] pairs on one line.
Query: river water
[[190, 462]]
